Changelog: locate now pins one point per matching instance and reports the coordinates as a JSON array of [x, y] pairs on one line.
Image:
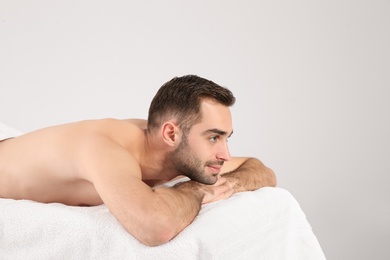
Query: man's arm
[[222, 189], [238, 174], [182, 203], [153, 216], [248, 174]]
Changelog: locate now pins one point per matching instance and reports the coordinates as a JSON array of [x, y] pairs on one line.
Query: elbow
[[158, 238], [268, 178], [156, 233], [272, 178], [161, 219]]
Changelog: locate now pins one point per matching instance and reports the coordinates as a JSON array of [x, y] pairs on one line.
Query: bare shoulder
[[137, 121], [109, 145], [76, 148], [102, 157], [79, 158]]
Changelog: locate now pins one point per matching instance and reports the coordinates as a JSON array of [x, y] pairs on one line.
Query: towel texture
[[263, 224]]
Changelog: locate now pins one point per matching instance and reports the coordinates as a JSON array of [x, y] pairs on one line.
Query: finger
[[232, 183], [220, 181], [222, 192], [227, 193]]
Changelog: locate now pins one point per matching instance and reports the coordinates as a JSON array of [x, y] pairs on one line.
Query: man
[[121, 162]]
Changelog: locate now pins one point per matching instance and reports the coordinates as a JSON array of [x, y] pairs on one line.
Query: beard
[[188, 164]]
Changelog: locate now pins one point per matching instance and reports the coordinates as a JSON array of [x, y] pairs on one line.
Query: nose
[[223, 153]]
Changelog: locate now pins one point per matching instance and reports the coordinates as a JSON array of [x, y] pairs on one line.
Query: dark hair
[[180, 98]]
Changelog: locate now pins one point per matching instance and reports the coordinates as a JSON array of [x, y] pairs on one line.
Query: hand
[[222, 189]]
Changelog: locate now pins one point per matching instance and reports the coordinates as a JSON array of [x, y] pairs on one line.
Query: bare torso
[[42, 165]]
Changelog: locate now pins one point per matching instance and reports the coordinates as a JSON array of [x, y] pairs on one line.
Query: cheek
[[205, 151], [200, 149]]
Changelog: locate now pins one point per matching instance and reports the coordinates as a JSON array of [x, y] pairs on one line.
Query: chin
[[212, 179], [208, 180]]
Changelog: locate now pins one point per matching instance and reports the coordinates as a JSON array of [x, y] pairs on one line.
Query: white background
[[312, 81]]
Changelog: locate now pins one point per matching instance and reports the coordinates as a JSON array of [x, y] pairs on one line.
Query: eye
[[214, 139]]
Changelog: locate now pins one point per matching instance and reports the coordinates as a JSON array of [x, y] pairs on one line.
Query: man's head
[[199, 110], [180, 99]]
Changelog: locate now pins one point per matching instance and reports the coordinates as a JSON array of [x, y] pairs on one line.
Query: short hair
[[180, 98]]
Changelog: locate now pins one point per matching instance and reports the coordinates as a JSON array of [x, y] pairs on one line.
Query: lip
[[215, 168]]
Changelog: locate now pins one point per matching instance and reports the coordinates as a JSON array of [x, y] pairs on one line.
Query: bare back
[[43, 165]]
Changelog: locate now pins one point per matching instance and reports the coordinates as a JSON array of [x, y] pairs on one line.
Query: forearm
[[170, 210], [251, 175], [178, 206]]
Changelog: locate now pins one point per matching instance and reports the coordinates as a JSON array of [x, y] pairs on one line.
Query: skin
[[119, 163]]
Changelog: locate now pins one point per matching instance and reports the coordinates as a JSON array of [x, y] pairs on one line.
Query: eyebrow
[[217, 131]]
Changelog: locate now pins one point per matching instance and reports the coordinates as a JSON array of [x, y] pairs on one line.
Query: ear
[[170, 133]]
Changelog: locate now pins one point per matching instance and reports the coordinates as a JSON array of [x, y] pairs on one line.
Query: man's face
[[203, 151]]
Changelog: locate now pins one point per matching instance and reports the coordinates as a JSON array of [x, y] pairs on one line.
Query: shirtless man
[[121, 162]]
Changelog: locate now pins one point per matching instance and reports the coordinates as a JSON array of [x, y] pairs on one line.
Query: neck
[[154, 163]]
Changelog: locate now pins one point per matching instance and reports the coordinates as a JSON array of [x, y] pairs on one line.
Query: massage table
[[264, 224]]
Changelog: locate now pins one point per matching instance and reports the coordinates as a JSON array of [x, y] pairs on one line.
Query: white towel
[[8, 132], [264, 224]]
